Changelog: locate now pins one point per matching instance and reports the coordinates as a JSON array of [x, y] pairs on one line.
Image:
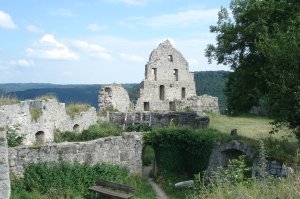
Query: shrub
[[35, 114], [139, 128], [75, 109], [93, 132], [13, 138]]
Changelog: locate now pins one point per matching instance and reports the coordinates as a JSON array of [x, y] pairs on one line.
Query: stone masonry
[[52, 117], [113, 97], [4, 168], [161, 119], [168, 84], [123, 150]]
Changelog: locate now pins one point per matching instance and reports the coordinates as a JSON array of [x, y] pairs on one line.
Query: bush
[[13, 138], [139, 128], [93, 132], [75, 109], [66, 180]]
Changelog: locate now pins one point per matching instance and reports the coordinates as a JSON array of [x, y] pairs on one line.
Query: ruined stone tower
[[167, 79]]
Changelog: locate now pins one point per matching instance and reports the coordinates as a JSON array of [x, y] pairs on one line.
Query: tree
[[261, 44]]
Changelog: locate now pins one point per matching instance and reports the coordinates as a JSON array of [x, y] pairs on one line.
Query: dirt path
[[160, 194]]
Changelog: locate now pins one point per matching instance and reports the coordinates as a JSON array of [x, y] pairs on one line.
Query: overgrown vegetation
[[93, 132], [66, 180], [4, 100], [148, 155], [139, 128], [13, 138], [35, 114], [75, 109]]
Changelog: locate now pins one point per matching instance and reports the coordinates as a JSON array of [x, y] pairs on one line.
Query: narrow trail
[[160, 194]]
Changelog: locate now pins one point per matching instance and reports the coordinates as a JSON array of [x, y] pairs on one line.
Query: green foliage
[[35, 114], [66, 180], [13, 138], [180, 150], [139, 128], [93, 132], [75, 109], [261, 45], [148, 155]]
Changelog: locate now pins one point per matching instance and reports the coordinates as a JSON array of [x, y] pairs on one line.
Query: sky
[[100, 41]]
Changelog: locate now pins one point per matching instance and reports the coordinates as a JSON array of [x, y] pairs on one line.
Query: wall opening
[[161, 92], [40, 137], [183, 93], [229, 155], [76, 128], [175, 73], [146, 106], [172, 106], [174, 120], [170, 58], [154, 73]]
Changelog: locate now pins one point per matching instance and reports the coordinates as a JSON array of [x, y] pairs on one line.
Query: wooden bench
[[115, 190]]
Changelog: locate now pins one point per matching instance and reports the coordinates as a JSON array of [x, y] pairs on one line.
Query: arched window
[[40, 137], [76, 128]]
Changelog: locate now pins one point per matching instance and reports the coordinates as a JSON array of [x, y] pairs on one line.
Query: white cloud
[[200, 18], [34, 29], [130, 2], [49, 48], [92, 50], [22, 62], [6, 21], [132, 58], [95, 27], [63, 12]]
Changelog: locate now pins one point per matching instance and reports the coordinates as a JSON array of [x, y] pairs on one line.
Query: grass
[[35, 114], [46, 97], [75, 109], [66, 180], [93, 132], [4, 100], [248, 126]]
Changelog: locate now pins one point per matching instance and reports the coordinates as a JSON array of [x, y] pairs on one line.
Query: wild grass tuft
[[5, 100], [46, 97], [75, 109], [35, 114]]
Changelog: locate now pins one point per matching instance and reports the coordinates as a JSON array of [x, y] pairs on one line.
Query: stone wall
[[113, 97], [52, 116], [4, 168], [199, 103], [161, 119], [123, 150]]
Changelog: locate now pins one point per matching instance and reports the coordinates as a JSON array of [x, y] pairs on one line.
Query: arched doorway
[[76, 128], [40, 137]]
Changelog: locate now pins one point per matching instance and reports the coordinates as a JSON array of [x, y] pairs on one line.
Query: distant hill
[[207, 82], [212, 83]]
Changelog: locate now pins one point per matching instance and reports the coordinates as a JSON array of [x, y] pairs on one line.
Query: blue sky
[[99, 41]]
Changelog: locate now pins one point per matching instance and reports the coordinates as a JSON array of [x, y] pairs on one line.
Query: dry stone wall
[[4, 168], [123, 150], [161, 119], [50, 116]]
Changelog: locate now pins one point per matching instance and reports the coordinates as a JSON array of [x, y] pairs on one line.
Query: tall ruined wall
[[161, 119], [51, 116], [4, 168], [113, 97], [167, 78], [123, 150]]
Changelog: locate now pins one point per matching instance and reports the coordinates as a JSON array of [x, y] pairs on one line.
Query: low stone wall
[[123, 150], [4, 168], [161, 119]]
